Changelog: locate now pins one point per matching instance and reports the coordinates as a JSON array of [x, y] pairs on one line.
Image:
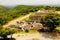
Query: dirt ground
[[40, 36]]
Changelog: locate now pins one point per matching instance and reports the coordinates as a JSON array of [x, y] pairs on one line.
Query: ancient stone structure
[[44, 12], [33, 23]]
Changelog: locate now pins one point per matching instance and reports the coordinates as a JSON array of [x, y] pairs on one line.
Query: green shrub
[[26, 30]]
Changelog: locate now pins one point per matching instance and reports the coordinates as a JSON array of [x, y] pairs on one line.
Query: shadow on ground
[[50, 35], [8, 39]]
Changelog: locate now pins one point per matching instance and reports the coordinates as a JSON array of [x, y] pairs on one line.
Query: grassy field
[[30, 32], [33, 39], [58, 28], [58, 12], [26, 18], [32, 14]]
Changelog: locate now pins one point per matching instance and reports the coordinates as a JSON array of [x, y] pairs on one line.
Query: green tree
[[5, 32], [51, 21], [12, 31]]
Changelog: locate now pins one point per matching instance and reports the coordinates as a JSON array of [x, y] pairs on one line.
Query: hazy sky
[[29, 2]]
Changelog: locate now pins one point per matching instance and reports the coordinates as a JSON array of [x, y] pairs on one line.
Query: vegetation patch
[[58, 28], [35, 39], [58, 12], [26, 18], [32, 14], [29, 32], [51, 21]]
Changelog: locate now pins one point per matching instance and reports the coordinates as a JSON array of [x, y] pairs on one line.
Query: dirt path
[[40, 36], [15, 20]]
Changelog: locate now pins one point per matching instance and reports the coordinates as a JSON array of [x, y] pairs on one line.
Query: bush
[[26, 30], [4, 32]]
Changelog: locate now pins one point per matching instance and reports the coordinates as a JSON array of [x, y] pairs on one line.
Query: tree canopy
[[51, 21], [5, 32]]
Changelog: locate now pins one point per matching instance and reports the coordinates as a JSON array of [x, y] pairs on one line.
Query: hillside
[[9, 13], [15, 20]]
